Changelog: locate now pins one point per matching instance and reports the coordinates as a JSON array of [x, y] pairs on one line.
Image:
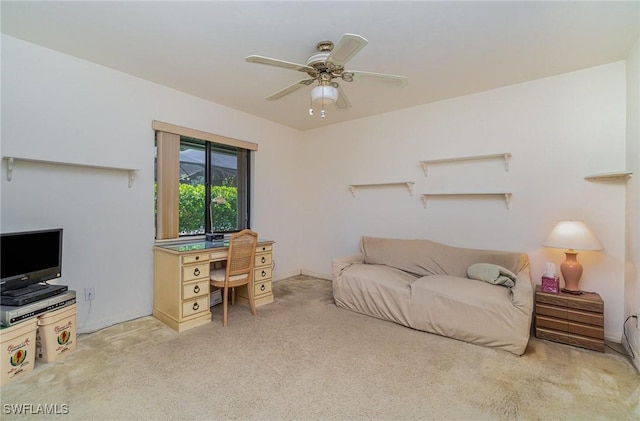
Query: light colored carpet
[[303, 358]]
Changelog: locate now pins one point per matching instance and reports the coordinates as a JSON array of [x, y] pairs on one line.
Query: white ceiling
[[446, 49]]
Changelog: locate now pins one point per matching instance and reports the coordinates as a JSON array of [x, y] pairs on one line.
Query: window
[[213, 187], [201, 185]]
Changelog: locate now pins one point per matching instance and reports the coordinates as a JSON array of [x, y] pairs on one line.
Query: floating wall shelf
[[621, 175], [504, 156], [407, 184], [506, 196], [12, 159]]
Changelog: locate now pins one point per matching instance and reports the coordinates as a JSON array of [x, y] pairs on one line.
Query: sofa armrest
[[338, 265], [522, 291]]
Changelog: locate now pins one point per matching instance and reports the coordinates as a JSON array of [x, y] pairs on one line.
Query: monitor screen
[[30, 257]]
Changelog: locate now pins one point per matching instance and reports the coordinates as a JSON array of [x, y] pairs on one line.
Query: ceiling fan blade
[[289, 89], [347, 47], [342, 103], [279, 63], [393, 81]]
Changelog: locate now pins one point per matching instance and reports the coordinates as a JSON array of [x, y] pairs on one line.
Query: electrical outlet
[[89, 294]]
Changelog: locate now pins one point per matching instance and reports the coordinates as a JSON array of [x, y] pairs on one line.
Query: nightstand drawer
[[586, 302], [570, 339], [570, 327], [195, 306], [189, 273], [596, 319], [195, 289]]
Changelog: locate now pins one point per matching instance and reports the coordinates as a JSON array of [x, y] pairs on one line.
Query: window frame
[[168, 142]]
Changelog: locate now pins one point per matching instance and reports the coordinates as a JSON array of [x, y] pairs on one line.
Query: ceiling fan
[[325, 66]]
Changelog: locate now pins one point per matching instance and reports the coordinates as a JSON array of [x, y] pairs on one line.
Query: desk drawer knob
[[196, 289], [262, 287], [196, 306], [264, 273], [263, 260], [196, 272], [197, 257]]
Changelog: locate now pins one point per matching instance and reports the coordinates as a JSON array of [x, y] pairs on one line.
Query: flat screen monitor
[[30, 257]]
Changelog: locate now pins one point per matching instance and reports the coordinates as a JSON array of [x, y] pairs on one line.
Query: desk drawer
[[264, 248], [218, 255], [195, 306], [262, 274], [262, 288], [192, 272], [194, 258], [263, 260], [195, 289]]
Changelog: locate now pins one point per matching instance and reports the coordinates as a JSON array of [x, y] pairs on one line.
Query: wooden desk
[[181, 280]]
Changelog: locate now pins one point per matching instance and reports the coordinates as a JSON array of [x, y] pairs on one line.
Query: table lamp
[[572, 235], [214, 236]]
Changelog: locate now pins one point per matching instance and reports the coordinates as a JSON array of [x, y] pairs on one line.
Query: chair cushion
[[218, 275]]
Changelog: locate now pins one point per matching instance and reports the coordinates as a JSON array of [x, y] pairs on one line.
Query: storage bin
[[215, 297], [17, 350], [56, 335]]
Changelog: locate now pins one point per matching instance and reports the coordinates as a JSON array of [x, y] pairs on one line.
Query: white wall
[[558, 129], [56, 107], [632, 262]]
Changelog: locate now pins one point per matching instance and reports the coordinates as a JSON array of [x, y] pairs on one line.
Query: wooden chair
[[239, 270]]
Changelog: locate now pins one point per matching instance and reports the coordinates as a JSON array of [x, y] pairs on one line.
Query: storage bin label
[[18, 357], [64, 335]]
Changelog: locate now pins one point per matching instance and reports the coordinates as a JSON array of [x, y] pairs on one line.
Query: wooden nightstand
[[570, 319]]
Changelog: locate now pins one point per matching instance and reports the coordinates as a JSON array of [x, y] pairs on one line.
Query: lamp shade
[[324, 95], [572, 235]]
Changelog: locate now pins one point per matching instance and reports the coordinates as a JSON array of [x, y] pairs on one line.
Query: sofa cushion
[[470, 311], [425, 257], [493, 274]]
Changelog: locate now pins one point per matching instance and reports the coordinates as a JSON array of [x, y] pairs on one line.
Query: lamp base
[[570, 291], [571, 271]]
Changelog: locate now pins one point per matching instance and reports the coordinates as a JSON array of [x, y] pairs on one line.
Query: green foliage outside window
[[192, 208], [191, 212]]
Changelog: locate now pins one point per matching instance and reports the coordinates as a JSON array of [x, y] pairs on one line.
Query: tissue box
[[551, 284]]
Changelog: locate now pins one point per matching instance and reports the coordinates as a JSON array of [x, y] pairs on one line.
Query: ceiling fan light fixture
[[324, 95]]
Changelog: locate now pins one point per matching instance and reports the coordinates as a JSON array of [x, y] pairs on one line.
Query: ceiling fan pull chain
[[322, 114]]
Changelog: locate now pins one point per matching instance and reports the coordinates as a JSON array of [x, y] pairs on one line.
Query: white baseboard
[[615, 336], [285, 275], [87, 326], [317, 274]]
